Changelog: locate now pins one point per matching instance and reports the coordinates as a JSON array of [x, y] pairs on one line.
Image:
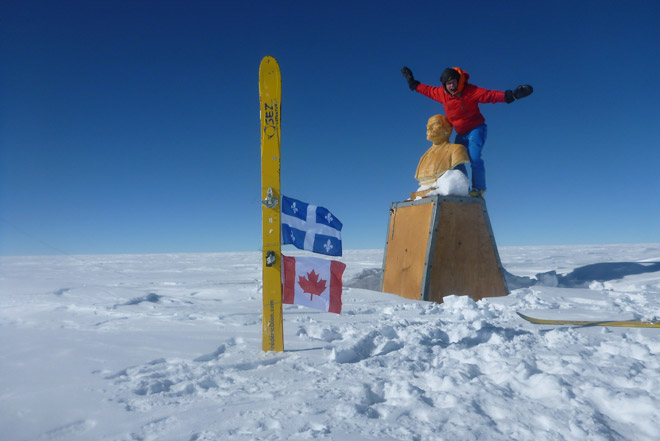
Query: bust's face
[[436, 133]]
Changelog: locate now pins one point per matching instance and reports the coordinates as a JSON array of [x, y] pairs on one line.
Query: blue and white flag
[[310, 228]]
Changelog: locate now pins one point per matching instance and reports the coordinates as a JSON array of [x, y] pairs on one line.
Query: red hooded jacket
[[462, 109]]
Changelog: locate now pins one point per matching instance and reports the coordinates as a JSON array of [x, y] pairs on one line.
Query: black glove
[[517, 93], [408, 75]]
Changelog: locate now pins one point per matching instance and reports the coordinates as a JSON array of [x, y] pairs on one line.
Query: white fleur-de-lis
[[329, 218], [294, 208], [328, 246], [293, 238]]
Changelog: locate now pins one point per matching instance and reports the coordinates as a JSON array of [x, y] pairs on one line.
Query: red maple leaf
[[312, 285]]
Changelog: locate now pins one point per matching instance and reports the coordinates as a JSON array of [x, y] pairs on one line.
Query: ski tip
[[268, 59]]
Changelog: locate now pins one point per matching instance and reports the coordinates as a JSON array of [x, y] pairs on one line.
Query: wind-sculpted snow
[[582, 277], [168, 348]]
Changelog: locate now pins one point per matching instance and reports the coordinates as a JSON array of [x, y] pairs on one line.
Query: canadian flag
[[312, 282]]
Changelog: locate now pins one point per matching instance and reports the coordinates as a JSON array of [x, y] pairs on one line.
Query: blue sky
[[133, 127]]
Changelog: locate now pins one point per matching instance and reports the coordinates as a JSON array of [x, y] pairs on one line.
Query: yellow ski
[[617, 323], [270, 96]]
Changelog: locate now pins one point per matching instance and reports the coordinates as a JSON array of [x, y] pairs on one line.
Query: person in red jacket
[[461, 102]]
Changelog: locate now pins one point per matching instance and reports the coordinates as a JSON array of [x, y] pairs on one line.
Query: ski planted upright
[[270, 98], [617, 323]]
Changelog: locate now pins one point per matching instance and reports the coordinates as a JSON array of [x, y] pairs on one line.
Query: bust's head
[[438, 129]]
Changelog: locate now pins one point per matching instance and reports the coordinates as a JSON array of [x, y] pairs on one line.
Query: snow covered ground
[[168, 347]]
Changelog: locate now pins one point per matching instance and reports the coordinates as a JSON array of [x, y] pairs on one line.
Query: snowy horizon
[[286, 249]]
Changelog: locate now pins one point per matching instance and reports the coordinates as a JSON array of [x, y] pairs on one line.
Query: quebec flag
[[310, 228]]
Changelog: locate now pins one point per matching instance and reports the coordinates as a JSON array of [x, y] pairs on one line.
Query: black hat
[[448, 75]]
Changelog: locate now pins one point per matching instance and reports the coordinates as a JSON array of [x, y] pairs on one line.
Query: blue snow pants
[[474, 142]]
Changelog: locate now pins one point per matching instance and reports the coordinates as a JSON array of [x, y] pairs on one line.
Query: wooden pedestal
[[439, 246]]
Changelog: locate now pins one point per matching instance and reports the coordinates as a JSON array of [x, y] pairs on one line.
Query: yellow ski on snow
[[621, 323], [270, 98]]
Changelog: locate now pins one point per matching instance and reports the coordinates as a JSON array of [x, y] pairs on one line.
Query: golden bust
[[442, 155]]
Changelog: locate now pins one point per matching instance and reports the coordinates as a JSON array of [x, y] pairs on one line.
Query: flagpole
[[270, 97]]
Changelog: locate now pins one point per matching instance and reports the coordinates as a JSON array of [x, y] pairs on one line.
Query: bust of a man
[[442, 155]]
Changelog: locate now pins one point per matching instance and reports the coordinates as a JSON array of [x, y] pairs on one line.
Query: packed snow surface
[[168, 347]]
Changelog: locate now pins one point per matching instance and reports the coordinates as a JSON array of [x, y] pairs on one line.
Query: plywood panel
[[406, 249], [464, 256]]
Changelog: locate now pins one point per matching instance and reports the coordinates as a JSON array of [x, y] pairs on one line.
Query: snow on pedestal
[[451, 183]]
